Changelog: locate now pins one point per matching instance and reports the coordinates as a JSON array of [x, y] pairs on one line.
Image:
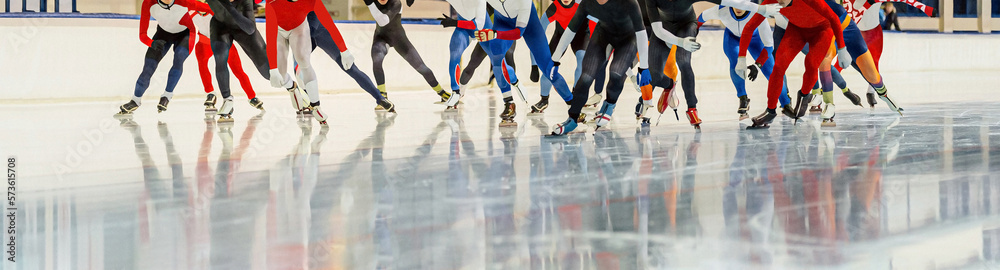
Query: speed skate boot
[[386, 105], [763, 120], [445, 95], [871, 100], [802, 105], [162, 106], [883, 94], [540, 107], [692, 114], [744, 107], [565, 127], [299, 102], [507, 116], [788, 111], [128, 107], [603, 116], [452, 102], [210, 103], [381, 90], [828, 112], [592, 101], [316, 113], [855, 99], [816, 105], [256, 103], [642, 112], [226, 111]]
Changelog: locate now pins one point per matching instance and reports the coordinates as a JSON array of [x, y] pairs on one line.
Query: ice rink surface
[[431, 190]]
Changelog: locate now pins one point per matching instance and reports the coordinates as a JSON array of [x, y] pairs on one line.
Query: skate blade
[[536, 114], [744, 116], [828, 124], [160, 109], [752, 127], [225, 119], [508, 124], [211, 110], [123, 115]]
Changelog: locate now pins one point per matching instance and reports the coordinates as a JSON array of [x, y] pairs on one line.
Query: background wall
[[76, 59]]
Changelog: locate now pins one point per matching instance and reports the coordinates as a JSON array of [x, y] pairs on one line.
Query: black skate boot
[[162, 106], [802, 105], [744, 107], [509, 111], [445, 95], [387, 105], [853, 97], [871, 100], [210, 103], [256, 103], [763, 120], [540, 107], [788, 111], [128, 108]]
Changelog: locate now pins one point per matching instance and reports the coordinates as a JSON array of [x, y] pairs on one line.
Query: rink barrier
[[105, 68]]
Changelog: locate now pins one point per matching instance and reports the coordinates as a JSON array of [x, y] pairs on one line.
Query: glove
[[688, 44], [741, 67], [769, 11], [534, 73], [753, 72], [447, 21], [346, 59], [486, 35], [277, 79], [844, 58], [158, 45], [554, 72]]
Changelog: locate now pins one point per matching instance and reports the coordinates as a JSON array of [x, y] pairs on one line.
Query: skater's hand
[[644, 78], [158, 45], [554, 72], [688, 44], [534, 73], [741, 67], [769, 11], [346, 59], [447, 21], [844, 58], [277, 79], [753, 72], [486, 35]]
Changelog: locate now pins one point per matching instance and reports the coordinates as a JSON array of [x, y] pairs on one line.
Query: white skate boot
[[316, 113], [592, 101], [226, 111], [828, 112]]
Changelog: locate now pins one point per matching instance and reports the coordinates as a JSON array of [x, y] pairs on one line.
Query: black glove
[[534, 73], [158, 45], [753, 72], [409, 3], [447, 21]]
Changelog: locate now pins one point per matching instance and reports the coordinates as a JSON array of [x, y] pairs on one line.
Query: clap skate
[[256, 103], [386, 106], [317, 113], [828, 114], [539, 108], [127, 108], [884, 96], [592, 101], [815, 104], [507, 116], [744, 107], [855, 99], [564, 128], [445, 95], [802, 105], [603, 116], [452, 102], [162, 105], [763, 120], [871, 100], [226, 111], [299, 100], [210, 103], [642, 112], [692, 115]]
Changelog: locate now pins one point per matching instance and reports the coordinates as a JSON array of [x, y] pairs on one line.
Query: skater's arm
[[641, 39], [323, 15], [271, 33], [738, 4], [656, 23], [747, 34], [194, 5], [568, 35], [380, 18], [824, 10], [766, 34], [926, 9], [192, 31], [711, 13], [144, 23]]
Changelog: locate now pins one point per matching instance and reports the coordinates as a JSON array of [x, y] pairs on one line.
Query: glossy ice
[[426, 190]]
